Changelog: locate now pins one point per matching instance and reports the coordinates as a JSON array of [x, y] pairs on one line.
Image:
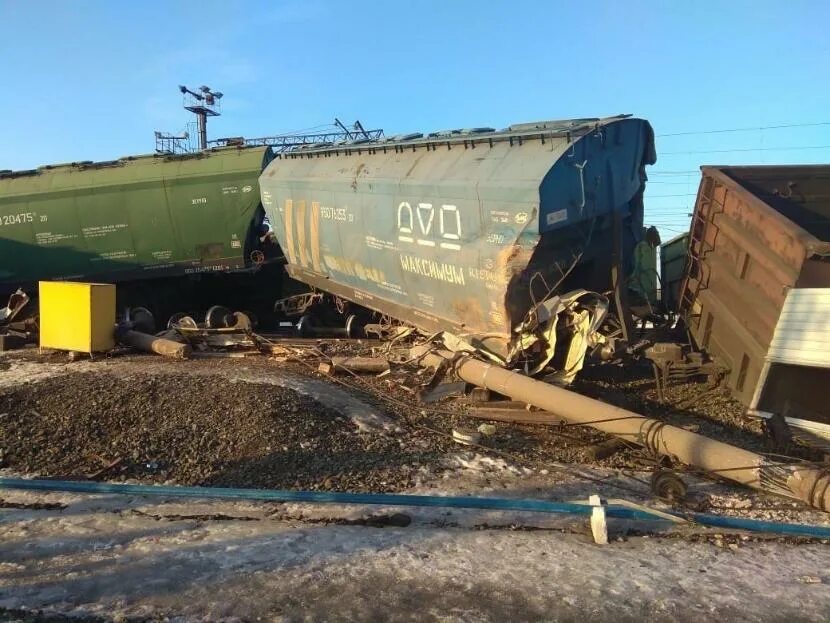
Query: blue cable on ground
[[394, 499]]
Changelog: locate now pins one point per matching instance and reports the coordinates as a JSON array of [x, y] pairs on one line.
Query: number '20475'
[[17, 219]]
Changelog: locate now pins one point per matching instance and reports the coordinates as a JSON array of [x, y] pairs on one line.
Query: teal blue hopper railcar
[[487, 235]]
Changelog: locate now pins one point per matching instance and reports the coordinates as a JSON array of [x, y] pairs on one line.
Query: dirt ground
[[202, 427], [220, 422], [259, 422], [197, 430]]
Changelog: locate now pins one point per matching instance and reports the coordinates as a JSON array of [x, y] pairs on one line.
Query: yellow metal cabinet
[[77, 316]]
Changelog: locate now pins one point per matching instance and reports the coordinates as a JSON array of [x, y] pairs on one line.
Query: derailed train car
[[507, 240], [134, 219], [756, 293]]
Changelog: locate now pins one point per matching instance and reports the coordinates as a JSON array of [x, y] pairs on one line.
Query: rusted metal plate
[[462, 231], [756, 232]]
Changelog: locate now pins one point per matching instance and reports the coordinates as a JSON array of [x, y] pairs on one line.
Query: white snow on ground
[[488, 465], [21, 371]]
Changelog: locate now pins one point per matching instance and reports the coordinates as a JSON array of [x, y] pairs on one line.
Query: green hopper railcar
[[132, 219]]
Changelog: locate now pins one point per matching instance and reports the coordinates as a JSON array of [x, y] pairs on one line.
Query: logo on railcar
[[449, 225]]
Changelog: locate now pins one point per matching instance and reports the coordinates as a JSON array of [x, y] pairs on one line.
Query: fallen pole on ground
[[394, 499], [153, 344], [805, 483], [360, 364], [513, 415]]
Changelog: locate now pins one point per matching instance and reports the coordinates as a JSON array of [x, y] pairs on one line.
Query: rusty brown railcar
[[756, 280]]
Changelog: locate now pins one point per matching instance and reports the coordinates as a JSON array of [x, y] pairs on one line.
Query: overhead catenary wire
[[670, 209], [746, 129], [684, 176], [686, 172], [683, 183], [744, 149], [676, 231], [677, 208]]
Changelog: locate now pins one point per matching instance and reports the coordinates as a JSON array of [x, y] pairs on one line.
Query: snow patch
[[487, 465]]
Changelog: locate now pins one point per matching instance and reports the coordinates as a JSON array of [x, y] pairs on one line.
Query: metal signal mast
[[203, 103]]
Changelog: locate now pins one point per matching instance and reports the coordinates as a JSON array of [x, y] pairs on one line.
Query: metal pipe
[[306, 328], [201, 118], [360, 364], [514, 415], [153, 344], [808, 484]]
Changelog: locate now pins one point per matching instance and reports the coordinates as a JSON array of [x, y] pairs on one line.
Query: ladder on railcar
[[703, 222]]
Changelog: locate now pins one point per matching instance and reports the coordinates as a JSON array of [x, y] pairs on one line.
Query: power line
[[675, 173], [742, 149], [763, 127], [686, 182], [669, 212], [662, 208], [677, 195]]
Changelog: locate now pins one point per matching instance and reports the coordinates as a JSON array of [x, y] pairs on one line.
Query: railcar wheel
[[218, 317], [142, 319]]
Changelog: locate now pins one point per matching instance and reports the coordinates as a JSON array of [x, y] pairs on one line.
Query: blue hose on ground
[[324, 497], [759, 525], [394, 499]]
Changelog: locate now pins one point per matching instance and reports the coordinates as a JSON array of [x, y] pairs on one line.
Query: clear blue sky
[[86, 80]]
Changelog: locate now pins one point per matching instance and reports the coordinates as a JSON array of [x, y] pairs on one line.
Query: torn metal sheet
[[17, 302], [567, 324], [442, 391]]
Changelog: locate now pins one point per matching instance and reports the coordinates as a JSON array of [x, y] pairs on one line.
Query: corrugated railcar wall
[[744, 257]]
